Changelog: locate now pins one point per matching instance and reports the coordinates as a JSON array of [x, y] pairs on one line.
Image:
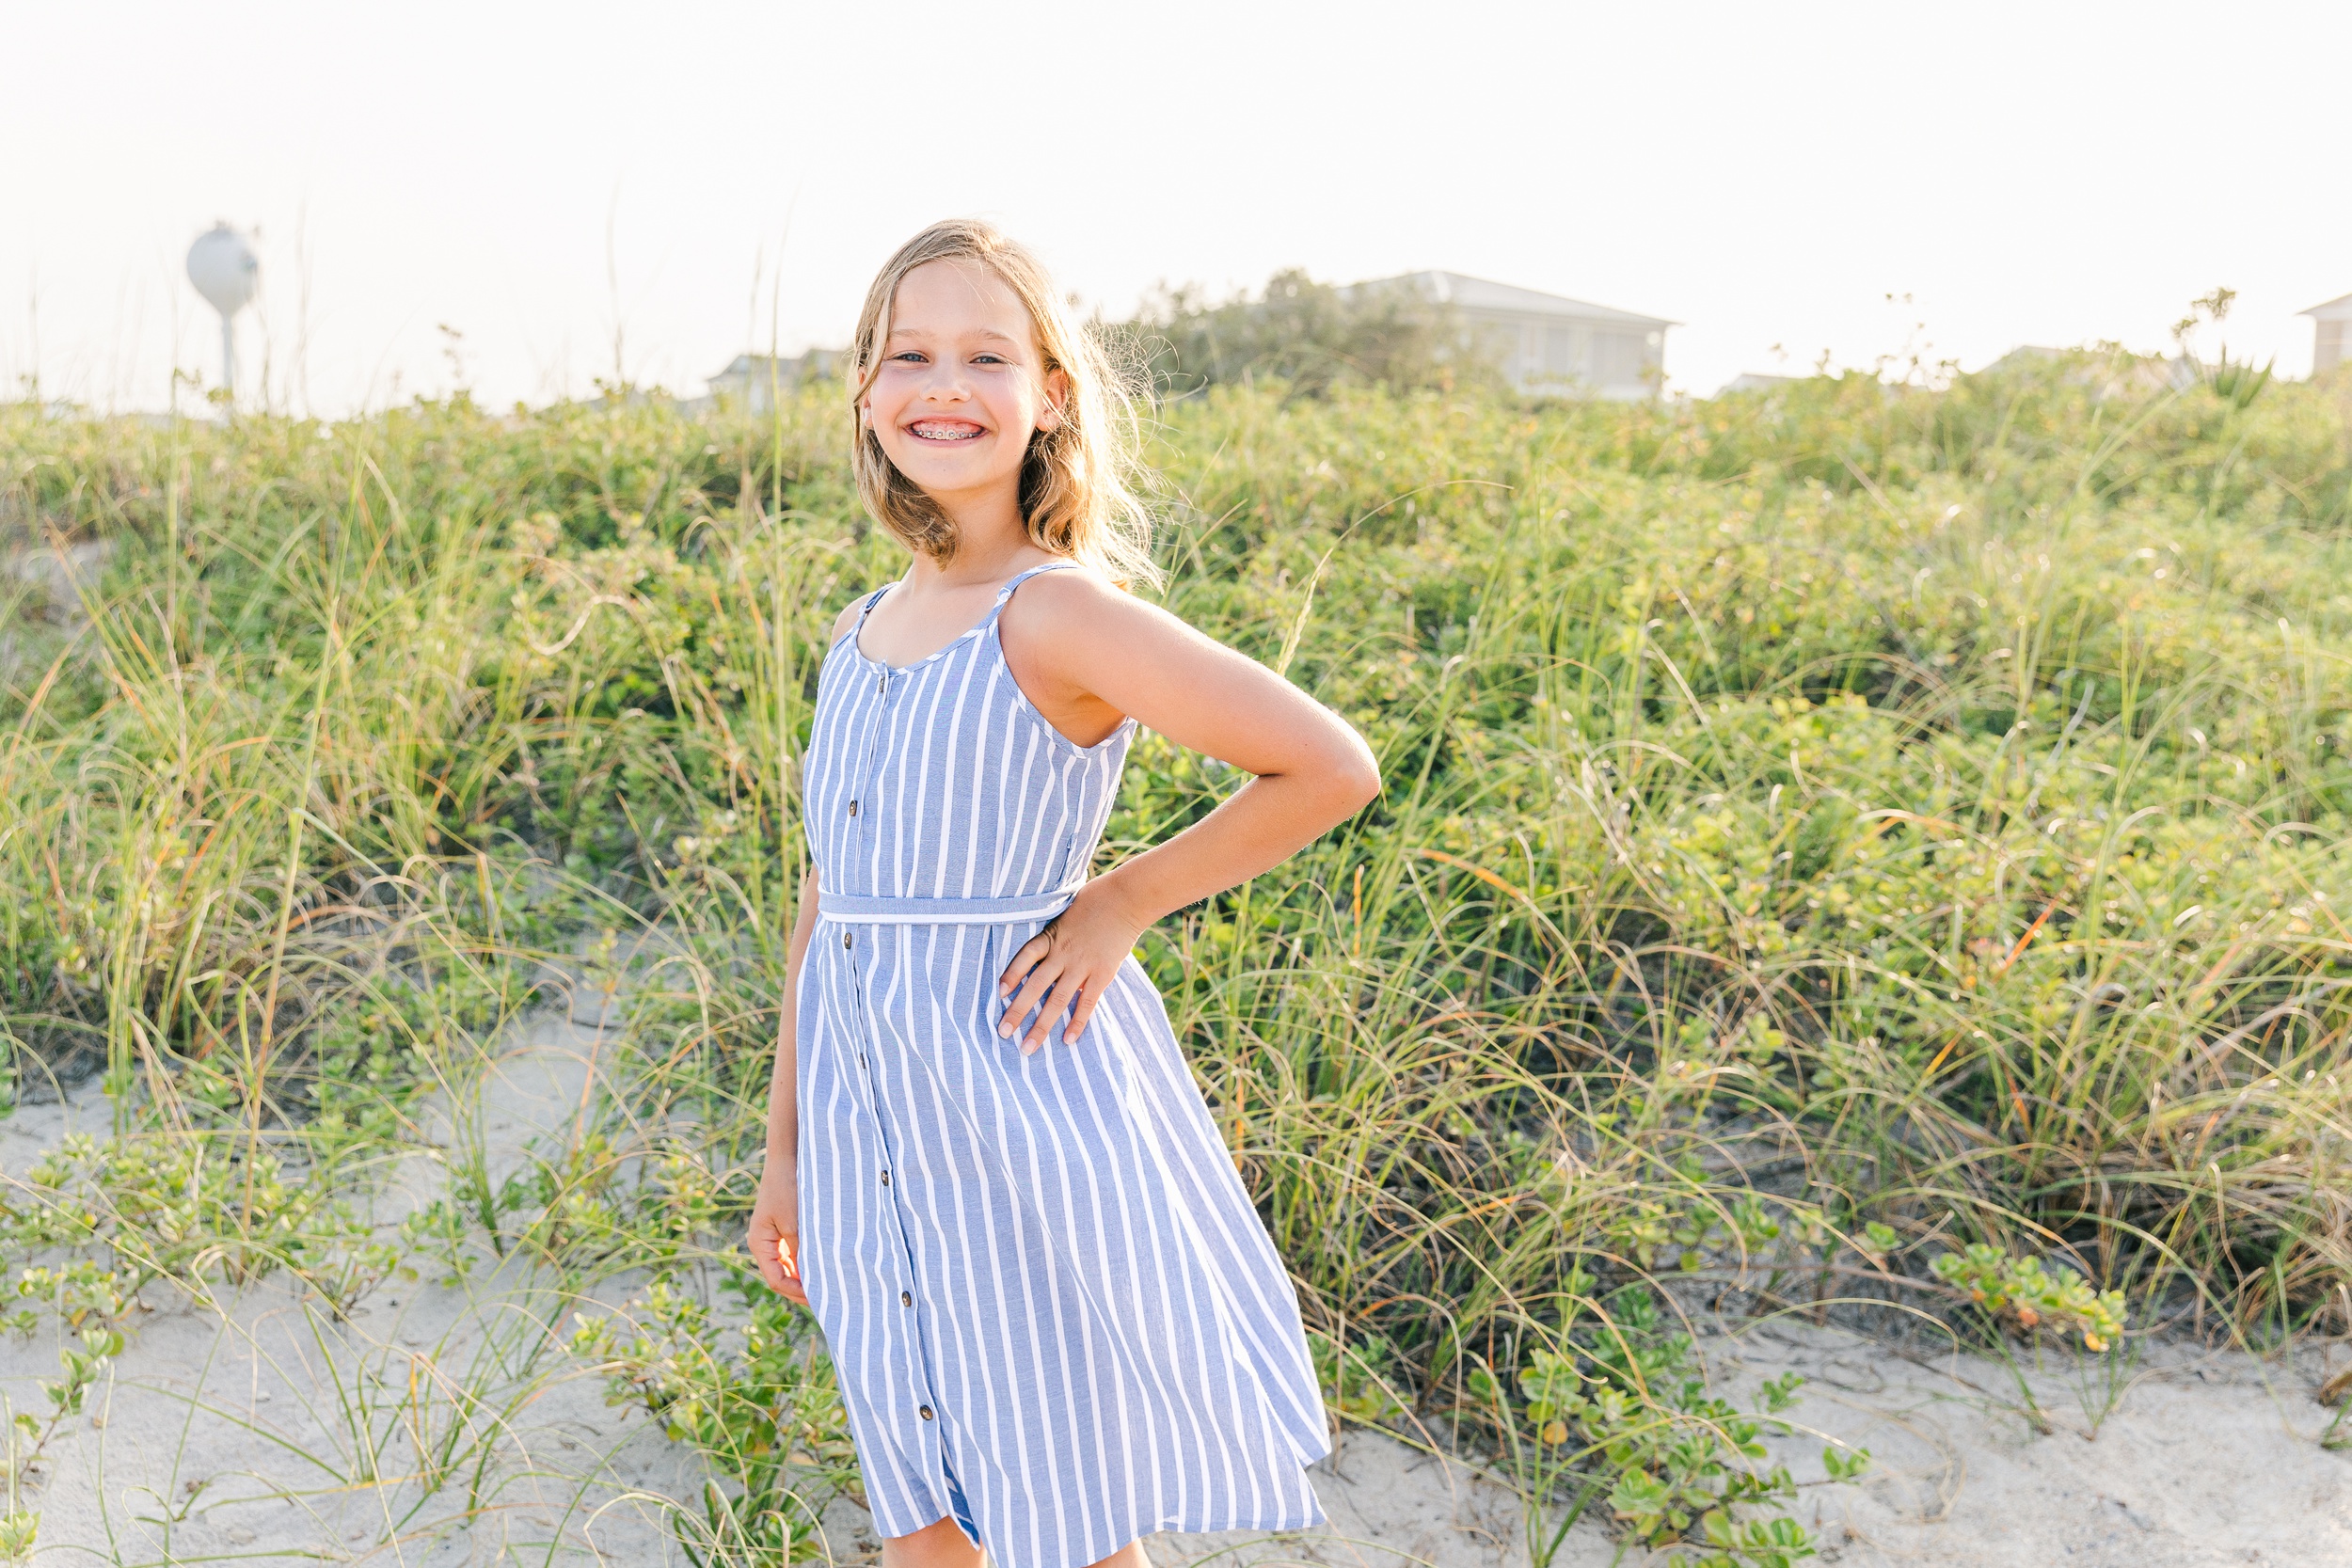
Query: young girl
[[1057, 1323]]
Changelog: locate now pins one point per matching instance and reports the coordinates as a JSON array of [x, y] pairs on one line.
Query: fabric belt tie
[[853, 909]]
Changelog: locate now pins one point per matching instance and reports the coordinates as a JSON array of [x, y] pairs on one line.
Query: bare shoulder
[[1080, 638], [1080, 601]]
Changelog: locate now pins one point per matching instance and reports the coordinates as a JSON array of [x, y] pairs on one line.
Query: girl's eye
[[911, 355], [987, 360]]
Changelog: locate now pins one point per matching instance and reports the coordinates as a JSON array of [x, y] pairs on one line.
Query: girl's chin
[[951, 478], [942, 457]]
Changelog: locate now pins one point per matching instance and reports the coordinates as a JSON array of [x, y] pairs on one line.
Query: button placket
[[865, 796], [917, 1357]]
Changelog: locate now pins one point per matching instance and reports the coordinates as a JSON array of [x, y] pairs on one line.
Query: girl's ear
[[1057, 394]]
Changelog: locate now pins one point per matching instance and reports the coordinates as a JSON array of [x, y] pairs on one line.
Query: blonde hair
[[1078, 480]]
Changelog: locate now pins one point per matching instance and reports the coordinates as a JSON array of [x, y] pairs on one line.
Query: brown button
[[906, 1298], [927, 1414], [885, 1179], [853, 808], [847, 940]]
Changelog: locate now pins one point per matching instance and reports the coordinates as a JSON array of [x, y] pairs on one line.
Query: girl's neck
[[992, 544]]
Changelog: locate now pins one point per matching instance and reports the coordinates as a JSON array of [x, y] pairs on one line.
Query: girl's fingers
[[1028, 958], [1034, 988], [779, 1266], [1064, 992], [1031, 952], [764, 1241], [1087, 997]]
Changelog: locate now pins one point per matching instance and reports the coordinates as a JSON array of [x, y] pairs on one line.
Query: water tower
[[226, 271]]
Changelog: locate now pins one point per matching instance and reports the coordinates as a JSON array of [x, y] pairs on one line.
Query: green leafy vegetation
[[763, 1409], [1307, 337], [1842, 844]]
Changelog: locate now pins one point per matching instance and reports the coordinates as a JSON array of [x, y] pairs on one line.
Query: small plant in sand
[[1357, 1379], [187, 1206], [761, 1411], [1621, 1410], [20, 1528], [2030, 1297], [27, 1436]]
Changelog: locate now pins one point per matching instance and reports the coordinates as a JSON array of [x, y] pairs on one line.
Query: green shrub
[[1834, 811]]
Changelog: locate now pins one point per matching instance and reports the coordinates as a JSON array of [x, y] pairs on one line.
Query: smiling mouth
[[944, 430]]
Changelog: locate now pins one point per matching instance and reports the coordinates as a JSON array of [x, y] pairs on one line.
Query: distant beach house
[[1547, 343], [2113, 371], [2334, 347], [753, 379], [2025, 355]]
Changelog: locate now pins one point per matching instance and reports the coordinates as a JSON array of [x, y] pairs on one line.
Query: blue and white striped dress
[[1055, 1317]]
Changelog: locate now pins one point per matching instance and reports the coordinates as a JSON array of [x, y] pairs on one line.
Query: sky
[[520, 198]]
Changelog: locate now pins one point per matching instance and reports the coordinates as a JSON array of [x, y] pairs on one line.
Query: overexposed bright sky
[[587, 189]]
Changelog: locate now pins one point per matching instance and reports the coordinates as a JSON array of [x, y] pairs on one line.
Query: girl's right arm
[[776, 1210]]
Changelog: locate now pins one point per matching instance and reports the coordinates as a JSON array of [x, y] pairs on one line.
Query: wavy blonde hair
[[1078, 480]]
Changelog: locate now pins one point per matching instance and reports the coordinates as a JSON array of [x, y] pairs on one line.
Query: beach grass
[[1826, 830]]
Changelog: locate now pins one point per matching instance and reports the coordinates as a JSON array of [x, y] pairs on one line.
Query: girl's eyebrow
[[900, 331]]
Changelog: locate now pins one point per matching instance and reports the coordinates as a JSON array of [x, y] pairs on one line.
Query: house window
[[1563, 361], [1502, 340], [1617, 358]]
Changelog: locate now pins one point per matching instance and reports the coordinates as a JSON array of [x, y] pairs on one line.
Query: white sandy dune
[[2204, 1460], [266, 1433]]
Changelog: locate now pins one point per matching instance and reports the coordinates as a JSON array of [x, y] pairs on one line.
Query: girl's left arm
[[1086, 651]]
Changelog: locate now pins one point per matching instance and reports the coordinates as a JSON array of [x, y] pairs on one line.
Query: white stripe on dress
[[1058, 1303]]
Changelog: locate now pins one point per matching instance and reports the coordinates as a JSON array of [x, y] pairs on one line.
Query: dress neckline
[[1004, 593]]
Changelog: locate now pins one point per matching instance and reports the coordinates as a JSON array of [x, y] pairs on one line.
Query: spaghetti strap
[[862, 611], [1004, 595]]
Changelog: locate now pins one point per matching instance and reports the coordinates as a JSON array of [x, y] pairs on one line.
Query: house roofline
[[1442, 283]]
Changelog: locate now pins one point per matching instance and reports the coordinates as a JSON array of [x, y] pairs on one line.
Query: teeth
[[944, 433]]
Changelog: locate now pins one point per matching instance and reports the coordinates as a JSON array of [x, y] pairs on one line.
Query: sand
[[262, 1431]]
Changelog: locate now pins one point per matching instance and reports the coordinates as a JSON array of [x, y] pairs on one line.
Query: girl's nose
[[946, 383]]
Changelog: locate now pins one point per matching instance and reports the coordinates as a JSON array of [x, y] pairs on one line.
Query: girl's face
[[961, 384]]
